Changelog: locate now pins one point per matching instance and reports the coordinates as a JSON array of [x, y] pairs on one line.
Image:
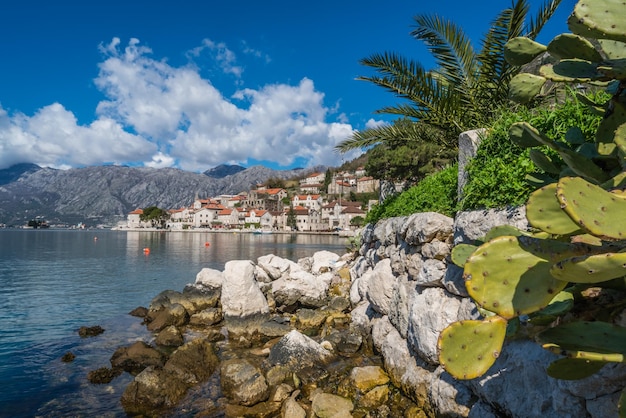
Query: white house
[[203, 218], [309, 201], [134, 219], [259, 216], [367, 185]]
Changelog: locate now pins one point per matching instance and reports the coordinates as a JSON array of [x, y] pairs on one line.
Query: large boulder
[[242, 299], [406, 370], [521, 369], [242, 382], [323, 261], [172, 314], [201, 296], [301, 287], [193, 363], [136, 357], [471, 225], [152, 390], [380, 285], [432, 309], [276, 266], [170, 337], [210, 278], [424, 227], [327, 405], [296, 351]]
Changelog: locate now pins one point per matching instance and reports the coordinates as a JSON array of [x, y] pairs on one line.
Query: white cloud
[[163, 115], [372, 123], [160, 160], [52, 137]]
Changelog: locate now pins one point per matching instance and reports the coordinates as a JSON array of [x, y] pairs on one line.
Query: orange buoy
[[206, 244], [146, 250]]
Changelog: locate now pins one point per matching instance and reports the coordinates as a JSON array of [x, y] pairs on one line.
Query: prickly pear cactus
[[467, 349], [578, 236]]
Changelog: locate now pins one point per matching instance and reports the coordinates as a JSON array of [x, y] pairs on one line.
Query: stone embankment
[[351, 335]]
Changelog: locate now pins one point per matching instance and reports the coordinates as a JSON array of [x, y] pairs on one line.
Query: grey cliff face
[[105, 194]]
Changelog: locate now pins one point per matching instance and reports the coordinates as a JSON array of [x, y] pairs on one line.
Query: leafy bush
[[436, 193], [498, 172]]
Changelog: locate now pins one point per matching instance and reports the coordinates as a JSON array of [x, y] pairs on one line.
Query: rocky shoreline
[[343, 336]]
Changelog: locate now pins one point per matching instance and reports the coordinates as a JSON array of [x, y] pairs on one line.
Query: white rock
[[301, 286], [241, 295], [449, 396], [276, 266], [475, 224], [210, 278], [517, 384], [431, 273], [404, 368], [361, 317], [399, 306], [295, 350], [421, 228], [431, 310], [380, 286], [323, 260]]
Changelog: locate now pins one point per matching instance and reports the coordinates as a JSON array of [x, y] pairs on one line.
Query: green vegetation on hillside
[[436, 193], [498, 173]]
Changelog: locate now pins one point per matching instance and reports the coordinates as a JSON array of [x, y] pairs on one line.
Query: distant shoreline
[[235, 231]]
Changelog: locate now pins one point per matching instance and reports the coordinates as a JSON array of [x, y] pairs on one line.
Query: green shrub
[[436, 193], [497, 175]]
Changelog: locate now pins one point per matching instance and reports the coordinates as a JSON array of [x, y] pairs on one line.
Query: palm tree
[[463, 92]]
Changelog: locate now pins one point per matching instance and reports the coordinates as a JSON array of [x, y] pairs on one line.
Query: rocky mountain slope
[[105, 194]]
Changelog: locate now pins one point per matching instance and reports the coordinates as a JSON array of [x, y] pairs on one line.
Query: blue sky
[[194, 84]]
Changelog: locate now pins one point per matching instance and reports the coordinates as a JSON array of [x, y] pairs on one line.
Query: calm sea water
[[52, 282]]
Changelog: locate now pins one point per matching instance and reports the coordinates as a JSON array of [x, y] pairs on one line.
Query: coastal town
[[309, 208]]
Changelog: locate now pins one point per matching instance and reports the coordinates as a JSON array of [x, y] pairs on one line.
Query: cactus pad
[[614, 50], [467, 349], [510, 279], [591, 269], [606, 134], [561, 304], [568, 45], [599, 19], [544, 212], [543, 162], [524, 135], [594, 209], [524, 87], [522, 50], [573, 368], [502, 230], [571, 71], [461, 252], [584, 339]]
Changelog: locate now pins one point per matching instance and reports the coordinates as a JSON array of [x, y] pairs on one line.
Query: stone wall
[[405, 291]]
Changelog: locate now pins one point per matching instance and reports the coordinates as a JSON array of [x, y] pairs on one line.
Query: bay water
[[52, 282]]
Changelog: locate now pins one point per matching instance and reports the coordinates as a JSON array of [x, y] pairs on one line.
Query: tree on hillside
[[463, 92], [291, 219], [328, 178], [157, 216], [406, 161], [275, 183]]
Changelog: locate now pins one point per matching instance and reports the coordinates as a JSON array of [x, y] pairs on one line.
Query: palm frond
[[495, 71], [541, 18], [451, 48], [432, 99], [401, 130]]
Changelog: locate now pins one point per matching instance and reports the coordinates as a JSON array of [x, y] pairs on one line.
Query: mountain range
[[106, 194]]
